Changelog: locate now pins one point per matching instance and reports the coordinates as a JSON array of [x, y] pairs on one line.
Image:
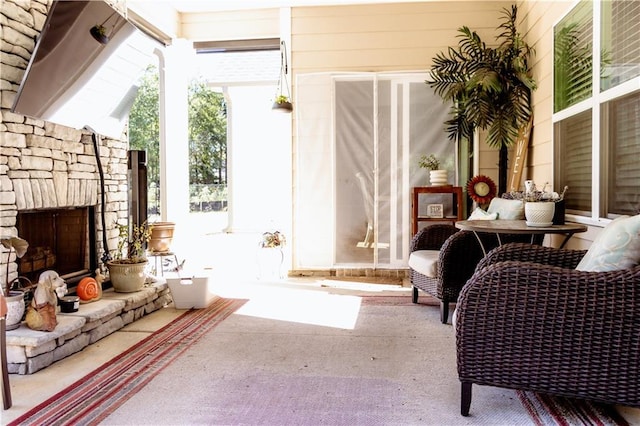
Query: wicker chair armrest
[[553, 330], [533, 253], [458, 258], [432, 237]]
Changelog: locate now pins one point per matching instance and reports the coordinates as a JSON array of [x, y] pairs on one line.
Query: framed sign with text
[[519, 156], [435, 210]]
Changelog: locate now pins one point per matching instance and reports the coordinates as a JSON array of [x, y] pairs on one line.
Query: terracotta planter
[[161, 237], [127, 277], [15, 305]]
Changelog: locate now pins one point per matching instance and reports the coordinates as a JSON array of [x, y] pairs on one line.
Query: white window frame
[[595, 103]]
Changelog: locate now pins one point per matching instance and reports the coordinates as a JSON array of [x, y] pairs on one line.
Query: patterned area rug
[[399, 300], [547, 410], [95, 396]]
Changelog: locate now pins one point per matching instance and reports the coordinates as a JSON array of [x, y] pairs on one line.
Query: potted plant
[[99, 33], [273, 240], [437, 176], [489, 88], [161, 236], [14, 298], [270, 260], [540, 205], [282, 103], [126, 270]]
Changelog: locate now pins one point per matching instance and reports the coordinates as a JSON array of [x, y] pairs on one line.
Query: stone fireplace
[[51, 186], [48, 171], [63, 190]]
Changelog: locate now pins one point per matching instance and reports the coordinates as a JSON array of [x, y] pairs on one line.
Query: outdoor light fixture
[[283, 97], [99, 31]]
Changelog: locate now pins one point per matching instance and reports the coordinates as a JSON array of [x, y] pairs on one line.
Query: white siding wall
[[230, 25], [383, 37]]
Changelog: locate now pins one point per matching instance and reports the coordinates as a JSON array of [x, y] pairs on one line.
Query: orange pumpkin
[[88, 289]]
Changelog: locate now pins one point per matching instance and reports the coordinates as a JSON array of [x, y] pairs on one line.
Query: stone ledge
[[29, 351]]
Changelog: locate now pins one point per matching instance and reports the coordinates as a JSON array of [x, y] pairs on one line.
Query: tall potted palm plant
[[489, 88]]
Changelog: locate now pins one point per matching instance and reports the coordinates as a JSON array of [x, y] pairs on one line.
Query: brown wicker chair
[[459, 254], [528, 320]]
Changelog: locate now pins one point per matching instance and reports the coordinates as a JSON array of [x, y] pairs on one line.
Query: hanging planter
[[283, 104], [282, 101], [99, 31]]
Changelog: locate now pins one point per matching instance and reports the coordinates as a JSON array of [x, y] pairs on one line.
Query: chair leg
[[444, 311], [465, 398], [415, 295], [6, 388]]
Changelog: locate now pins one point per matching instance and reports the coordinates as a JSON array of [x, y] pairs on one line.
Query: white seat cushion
[[425, 262]]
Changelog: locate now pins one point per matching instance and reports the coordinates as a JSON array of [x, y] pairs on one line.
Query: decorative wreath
[[481, 189]]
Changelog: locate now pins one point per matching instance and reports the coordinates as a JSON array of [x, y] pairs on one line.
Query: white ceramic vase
[[127, 277], [438, 177], [539, 213], [15, 312]]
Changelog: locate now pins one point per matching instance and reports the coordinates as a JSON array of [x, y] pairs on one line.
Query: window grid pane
[[573, 169], [573, 57], [620, 42], [624, 167]]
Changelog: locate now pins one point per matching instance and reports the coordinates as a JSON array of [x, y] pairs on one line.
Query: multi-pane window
[[597, 108]]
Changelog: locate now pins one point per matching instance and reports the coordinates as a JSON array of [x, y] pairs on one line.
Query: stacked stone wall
[[45, 165]]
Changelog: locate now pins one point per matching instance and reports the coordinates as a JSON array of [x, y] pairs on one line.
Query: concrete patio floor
[[31, 390]]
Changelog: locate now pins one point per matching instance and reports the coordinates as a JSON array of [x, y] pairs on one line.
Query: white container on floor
[[190, 293]]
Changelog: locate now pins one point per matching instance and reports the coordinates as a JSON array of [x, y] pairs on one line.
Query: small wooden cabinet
[[435, 204]]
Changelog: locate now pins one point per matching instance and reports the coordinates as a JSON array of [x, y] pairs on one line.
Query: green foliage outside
[[207, 138], [207, 135]]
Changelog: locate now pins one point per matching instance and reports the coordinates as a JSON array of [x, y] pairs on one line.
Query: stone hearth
[[29, 351]]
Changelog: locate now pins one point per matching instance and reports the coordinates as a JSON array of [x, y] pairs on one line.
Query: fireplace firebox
[[63, 240]]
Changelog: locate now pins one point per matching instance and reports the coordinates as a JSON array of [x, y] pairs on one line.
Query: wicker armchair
[[528, 320], [459, 253]]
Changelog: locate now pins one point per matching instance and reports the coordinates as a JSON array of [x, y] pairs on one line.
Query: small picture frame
[[435, 210]]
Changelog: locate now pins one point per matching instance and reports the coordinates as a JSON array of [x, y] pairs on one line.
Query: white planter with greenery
[[127, 274], [539, 213], [437, 176]]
